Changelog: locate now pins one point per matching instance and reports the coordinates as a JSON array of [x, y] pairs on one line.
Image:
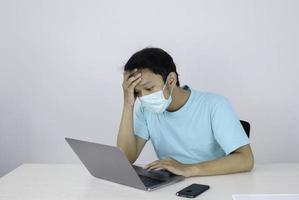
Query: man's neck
[[179, 98]]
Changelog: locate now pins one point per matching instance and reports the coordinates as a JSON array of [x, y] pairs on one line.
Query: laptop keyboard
[[148, 182], [152, 178]]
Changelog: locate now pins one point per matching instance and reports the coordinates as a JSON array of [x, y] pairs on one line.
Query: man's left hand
[[171, 165]]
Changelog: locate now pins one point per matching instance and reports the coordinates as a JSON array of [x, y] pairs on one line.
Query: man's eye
[[149, 89]]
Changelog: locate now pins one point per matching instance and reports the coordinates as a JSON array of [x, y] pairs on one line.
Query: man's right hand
[[131, 79]]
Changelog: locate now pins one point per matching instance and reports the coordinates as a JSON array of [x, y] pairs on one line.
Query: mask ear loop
[[171, 88]]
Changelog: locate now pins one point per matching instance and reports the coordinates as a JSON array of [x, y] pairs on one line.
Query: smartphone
[[192, 190]]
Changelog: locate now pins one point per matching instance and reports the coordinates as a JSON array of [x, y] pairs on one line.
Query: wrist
[[128, 105], [128, 101], [191, 170]]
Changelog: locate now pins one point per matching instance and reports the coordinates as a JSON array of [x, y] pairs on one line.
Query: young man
[[194, 133]]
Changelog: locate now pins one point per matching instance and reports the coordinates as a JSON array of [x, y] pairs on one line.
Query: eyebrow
[[145, 83]]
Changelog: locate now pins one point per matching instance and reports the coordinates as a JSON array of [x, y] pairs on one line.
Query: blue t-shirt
[[204, 128]]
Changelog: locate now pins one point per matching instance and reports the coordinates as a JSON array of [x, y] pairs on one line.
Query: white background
[[61, 67]]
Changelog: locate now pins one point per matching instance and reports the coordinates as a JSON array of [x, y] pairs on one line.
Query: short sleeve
[[140, 125], [227, 128]]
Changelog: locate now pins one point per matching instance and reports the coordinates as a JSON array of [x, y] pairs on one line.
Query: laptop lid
[[106, 162]]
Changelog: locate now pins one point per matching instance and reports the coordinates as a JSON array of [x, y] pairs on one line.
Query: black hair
[[155, 59]]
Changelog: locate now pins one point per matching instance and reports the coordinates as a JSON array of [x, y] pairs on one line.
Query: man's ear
[[172, 79]]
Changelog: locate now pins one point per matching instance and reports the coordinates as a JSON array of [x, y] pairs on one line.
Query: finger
[[158, 169], [133, 78], [157, 166], [162, 161], [163, 166], [151, 164], [127, 74], [134, 83]]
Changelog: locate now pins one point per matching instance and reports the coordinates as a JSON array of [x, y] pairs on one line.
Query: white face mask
[[156, 101]]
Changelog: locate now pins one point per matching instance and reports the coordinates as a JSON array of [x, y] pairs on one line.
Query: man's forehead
[[147, 79], [145, 72]]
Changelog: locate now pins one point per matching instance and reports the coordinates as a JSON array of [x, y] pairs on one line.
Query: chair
[[246, 126]]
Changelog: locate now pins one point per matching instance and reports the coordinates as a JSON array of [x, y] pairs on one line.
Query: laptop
[[110, 163]]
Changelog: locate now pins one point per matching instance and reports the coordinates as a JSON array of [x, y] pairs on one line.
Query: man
[[194, 133]]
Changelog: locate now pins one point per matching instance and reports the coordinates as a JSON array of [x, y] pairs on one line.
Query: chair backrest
[[246, 126]]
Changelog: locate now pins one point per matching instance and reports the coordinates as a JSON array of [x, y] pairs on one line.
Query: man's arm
[[241, 160], [130, 144]]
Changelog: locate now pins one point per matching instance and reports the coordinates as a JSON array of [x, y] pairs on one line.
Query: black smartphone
[[192, 190]]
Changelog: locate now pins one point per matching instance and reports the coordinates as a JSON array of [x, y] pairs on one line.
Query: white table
[[71, 181]]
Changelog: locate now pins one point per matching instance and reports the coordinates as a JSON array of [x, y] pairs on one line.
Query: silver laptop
[[110, 163]]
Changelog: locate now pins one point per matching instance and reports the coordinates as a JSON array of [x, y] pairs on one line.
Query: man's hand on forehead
[[131, 73], [135, 72], [131, 80]]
